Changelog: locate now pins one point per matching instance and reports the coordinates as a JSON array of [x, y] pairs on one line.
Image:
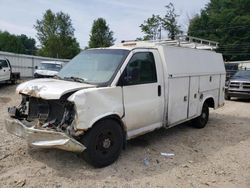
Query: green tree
[[228, 22], [101, 35], [17, 43], [56, 35], [153, 27], [169, 22]]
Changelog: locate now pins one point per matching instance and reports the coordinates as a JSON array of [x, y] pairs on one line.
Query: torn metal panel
[[95, 103], [49, 88], [43, 138]]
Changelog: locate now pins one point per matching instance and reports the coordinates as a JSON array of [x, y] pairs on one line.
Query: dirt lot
[[216, 156]]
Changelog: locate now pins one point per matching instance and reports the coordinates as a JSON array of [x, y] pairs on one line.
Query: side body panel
[[94, 104], [209, 82]]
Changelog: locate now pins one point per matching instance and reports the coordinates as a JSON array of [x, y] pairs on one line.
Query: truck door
[[4, 70], [143, 92]]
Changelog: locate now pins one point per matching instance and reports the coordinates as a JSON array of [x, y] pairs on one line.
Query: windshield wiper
[[76, 79]]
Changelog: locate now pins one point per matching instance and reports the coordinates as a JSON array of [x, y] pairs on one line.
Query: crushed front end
[[45, 123]]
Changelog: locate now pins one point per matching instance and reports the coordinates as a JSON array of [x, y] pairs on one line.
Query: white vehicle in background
[[6, 72], [48, 69], [104, 97]]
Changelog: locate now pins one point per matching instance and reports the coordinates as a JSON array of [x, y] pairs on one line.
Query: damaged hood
[[50, 88]]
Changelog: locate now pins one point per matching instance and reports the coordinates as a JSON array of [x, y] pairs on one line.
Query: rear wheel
[[103, 142], [13, 81], [201, 121]]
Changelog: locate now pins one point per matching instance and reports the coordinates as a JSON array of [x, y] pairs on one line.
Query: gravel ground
[[216, 156]]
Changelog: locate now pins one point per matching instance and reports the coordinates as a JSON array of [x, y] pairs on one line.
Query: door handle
[[159, 90], [185, 98]]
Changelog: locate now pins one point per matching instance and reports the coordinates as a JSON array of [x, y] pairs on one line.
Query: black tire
[[201, 121], [13, 81], [103, 143], [227, 97]]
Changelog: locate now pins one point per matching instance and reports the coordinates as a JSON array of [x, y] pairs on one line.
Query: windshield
[[50, 66], [242, 74], [96, 66]]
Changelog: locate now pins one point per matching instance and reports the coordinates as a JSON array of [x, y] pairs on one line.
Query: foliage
[[169, 22], [17, 43], [101, 35], [56, 35], [228, 22], [153, 26]]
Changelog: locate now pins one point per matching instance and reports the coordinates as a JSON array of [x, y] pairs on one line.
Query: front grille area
[[234, 85], [246, 86], [239, 86]]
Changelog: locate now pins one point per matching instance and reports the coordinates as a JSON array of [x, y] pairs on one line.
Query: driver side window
[[140, 69], [3, 63]]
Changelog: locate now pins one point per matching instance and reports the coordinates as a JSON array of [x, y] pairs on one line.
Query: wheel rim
[[104, 142]]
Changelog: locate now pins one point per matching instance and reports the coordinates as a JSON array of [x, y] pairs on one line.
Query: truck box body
[[190, 73]]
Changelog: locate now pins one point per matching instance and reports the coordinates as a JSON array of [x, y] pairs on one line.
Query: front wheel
[[103, 143], [227, 97], [201, 121]]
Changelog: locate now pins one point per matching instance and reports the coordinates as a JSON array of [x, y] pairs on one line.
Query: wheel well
[[210, 102]]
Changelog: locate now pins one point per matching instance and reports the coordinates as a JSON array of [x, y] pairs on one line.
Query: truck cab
[[5, 70], [106, 96], [6, 73]]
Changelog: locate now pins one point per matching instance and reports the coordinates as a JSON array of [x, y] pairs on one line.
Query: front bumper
[[238, 94], [41, 138]]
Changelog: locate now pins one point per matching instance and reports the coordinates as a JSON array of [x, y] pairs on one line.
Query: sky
[[123, 16]]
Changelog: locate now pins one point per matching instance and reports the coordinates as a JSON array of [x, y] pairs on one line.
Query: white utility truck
[[106, 96], [47, 69]]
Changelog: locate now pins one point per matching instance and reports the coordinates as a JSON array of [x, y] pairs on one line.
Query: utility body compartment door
[[177, 99], [193, 96], [143, 94]]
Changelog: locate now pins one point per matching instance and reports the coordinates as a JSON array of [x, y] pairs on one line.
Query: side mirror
[[36, 67]]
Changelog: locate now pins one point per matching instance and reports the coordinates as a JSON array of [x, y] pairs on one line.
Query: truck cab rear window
[[141, 69]]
